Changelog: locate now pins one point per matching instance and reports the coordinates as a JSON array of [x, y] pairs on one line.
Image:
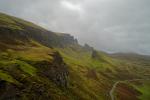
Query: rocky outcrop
[[11, 36], [95, 54], [68, 39], [88, 47], [56, 70], [59, 71]]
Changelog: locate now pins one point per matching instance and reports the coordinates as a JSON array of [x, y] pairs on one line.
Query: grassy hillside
[[37, 64], [144, 88]]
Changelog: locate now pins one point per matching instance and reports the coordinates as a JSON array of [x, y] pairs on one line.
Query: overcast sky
[[109, 25]]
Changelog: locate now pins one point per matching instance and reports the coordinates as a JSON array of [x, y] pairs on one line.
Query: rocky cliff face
[[8, 35], [68, 39], [14, 29], [88, 47], [59, 71], [44, 37], [56, 70]]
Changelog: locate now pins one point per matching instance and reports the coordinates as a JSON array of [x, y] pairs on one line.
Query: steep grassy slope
[[32, 73], [144, 88], [84, 74], [28, 69], [36, 64]]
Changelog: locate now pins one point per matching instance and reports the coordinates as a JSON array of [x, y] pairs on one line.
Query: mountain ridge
[[30, 30]]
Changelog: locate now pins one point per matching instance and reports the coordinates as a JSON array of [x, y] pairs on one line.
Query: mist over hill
[[108, 25]]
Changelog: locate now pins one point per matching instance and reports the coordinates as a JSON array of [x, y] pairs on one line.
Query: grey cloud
[[109, 25]]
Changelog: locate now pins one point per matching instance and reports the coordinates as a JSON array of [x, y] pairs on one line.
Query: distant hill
[[130, 56]]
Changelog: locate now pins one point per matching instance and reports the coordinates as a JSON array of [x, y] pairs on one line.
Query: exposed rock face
[[45, 37], [95, 54], [10, 35], [48, 38], [68, 39], [88, 47], [56, 70], [59, 71]]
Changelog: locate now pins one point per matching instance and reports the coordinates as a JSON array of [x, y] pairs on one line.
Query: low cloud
[[109, 25]]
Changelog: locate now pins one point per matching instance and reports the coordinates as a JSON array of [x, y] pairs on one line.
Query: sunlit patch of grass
[[17, 59], [33, 51], [26, 67], [36, 53], [16, 64]]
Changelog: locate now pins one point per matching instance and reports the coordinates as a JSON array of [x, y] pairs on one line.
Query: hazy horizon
[[108, 25]]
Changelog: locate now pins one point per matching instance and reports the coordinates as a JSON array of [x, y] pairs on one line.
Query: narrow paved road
[[111, 92]]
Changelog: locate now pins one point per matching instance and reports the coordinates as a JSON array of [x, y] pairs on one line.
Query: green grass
[[81, 63], [83, 58], [16, 64], [36, 54], [144, 89], [6, 77], [17, 59], [7, 19], [26, 67], [10, 22]]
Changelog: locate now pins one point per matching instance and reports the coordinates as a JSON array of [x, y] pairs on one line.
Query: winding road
[[111, 92]]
